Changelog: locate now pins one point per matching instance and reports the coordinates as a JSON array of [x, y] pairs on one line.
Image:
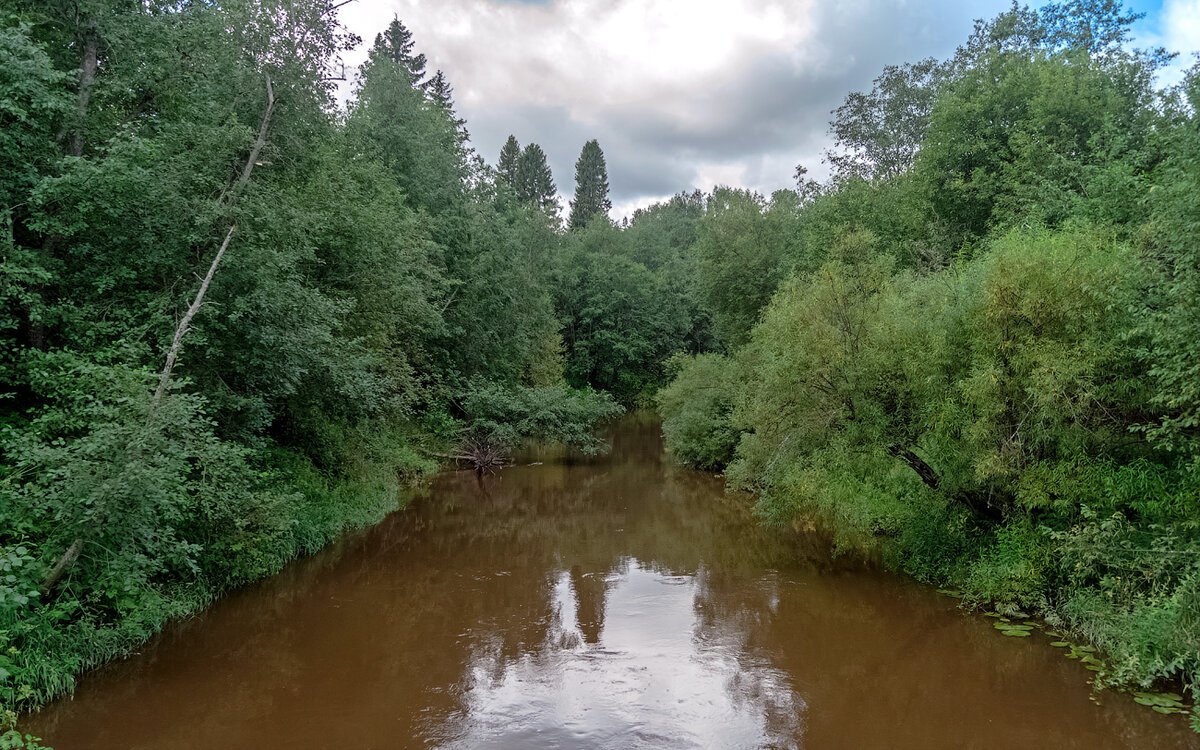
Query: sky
[[685, 94]]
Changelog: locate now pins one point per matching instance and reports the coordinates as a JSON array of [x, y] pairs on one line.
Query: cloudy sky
[[684, 93]]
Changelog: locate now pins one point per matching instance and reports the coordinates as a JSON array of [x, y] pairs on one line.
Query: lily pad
[[1164, 700], [1059, 644]]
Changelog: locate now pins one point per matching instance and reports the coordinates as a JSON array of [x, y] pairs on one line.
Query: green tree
[[877, 134], [396, 43], [1173, 237], [1039, 135], [508, 168], [417, 138], [441, 93], [591, 186], [535, 183], [742, 251]]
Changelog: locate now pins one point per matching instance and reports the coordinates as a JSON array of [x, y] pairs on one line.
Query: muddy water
[[616, 603]]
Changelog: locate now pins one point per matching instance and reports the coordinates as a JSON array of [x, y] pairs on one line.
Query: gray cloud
[[680, 93]]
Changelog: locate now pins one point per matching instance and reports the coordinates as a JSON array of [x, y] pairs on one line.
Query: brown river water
[[617, 602]]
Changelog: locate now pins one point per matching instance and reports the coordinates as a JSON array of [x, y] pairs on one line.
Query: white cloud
[[1180, 33], [1181, 26], [592, 55], [680, 93]]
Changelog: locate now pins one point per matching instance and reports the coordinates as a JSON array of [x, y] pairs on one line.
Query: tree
[[441, 93], [396, 43], [591, 186], [1101, 28], [878, 133], [510, 159], [742, 246], [535, 183], [1018, 136], [412, 133]]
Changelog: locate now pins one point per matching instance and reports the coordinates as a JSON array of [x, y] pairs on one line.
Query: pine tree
[[441, 93], [396, 43], [535, 183], [509, 164], [591, 186]]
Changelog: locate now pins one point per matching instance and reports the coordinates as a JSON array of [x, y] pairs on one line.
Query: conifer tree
[[535, 183], [441, 93], [591, 186], [509, 164], [396, 43]]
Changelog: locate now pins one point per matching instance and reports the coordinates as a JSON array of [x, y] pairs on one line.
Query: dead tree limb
[[64, 563], [181, 330], [981, 504]]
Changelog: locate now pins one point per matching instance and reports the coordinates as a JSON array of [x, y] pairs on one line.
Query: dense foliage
[[975, 348], [235, 317]]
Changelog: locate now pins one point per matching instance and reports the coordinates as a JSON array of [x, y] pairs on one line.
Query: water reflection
[[633, 666], [607, 603]]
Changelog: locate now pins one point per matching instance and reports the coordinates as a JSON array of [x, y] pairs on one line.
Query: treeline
[[976, 348], [235, 317]]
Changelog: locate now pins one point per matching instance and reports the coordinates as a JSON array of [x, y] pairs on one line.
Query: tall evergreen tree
[[510, 161], [591, 186], [441, 93], [397, 43], [535, 183]]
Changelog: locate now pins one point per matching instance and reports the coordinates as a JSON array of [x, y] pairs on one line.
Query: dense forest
[[976, 349], [239, 317]]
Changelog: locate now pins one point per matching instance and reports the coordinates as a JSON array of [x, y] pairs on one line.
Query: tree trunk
[[69, 557], [64, 563], [917, 464], [181, 330], [977, 501], [88, 63]]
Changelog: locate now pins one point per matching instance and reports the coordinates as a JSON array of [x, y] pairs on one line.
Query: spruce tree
[[509, 164], [591, 186], [441, 93], [535, 183], [396, 43]]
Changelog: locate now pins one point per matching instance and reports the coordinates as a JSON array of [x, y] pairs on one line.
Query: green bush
[[696, 408], [505, 415]]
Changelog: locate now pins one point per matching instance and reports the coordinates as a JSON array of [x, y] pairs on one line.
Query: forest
[[239, 317]]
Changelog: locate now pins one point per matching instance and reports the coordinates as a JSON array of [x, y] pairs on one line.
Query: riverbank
[[988, 428], [300, 510]]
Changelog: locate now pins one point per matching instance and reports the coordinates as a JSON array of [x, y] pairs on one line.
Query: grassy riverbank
[[297, 509]]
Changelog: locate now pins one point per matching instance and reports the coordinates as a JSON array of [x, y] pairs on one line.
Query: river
[[616, 602]]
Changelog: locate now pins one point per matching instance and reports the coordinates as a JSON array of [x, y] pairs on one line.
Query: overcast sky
[[684, 94]]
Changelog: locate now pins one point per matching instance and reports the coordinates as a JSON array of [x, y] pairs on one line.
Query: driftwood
[[482, 454]]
